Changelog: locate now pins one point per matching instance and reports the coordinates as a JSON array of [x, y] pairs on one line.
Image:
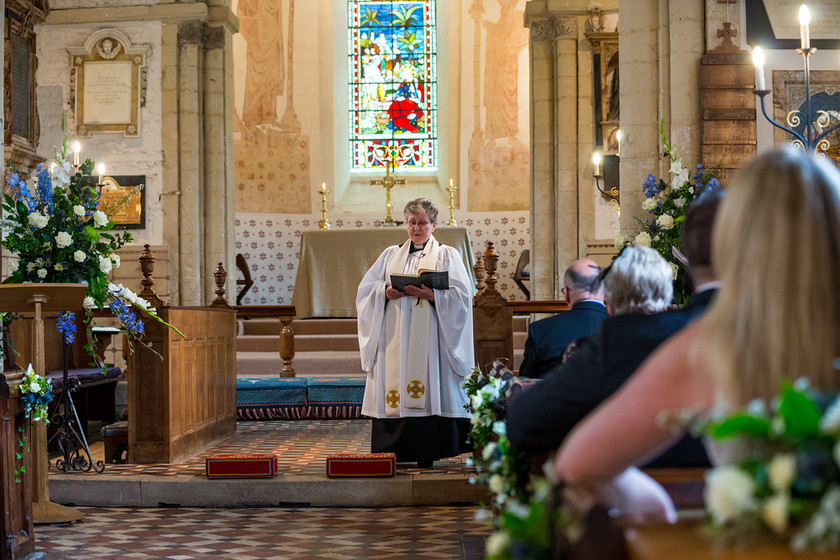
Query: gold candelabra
[[452, 188], [324, 223]]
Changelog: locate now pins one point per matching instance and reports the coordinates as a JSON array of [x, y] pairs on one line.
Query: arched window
[[393, 84]]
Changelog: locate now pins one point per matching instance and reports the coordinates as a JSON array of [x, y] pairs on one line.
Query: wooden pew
[[181, 390], [16, 512]]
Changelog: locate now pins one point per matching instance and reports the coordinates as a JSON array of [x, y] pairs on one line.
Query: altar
[[333, 262]]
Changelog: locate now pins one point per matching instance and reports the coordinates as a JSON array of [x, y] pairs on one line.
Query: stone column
[[543, 172], [566, 215], [219, 203], [170, 165], [191, 169]]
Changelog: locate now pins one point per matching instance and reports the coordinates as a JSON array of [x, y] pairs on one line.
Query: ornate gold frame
[[108, 46]]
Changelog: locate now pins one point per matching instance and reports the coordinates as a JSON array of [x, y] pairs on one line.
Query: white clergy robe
[[385, 332]]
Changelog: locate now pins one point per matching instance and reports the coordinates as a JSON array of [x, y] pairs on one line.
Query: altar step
[[323, 347]]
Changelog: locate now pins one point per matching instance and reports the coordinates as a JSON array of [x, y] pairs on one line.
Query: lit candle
[[804, 20], [76, 149], [451, 183], [618, 139], [596, 159], [323, 187], [101, 172], [758, 61]]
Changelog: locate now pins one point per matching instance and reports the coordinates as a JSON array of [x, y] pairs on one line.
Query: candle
[[758, 61], [323, 187], [76, 149], [804, 20], [618, 139], [101, 172], [596, 159]]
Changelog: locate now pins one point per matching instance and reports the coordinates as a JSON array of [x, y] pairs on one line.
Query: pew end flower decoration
[[54, 224], [785, 480], [667, 205], [35, 395]]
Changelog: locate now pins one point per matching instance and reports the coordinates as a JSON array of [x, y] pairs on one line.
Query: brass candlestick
[[452, 188], [324, 224]]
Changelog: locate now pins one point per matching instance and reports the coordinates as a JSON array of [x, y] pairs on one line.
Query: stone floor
[[420, 533], [301, 447]]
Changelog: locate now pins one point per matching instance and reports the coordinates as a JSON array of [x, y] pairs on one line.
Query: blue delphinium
[[66, 325], [650, 186], [127, 316]]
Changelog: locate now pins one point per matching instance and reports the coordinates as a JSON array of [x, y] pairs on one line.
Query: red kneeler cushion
[[241, 466], [361, 464]]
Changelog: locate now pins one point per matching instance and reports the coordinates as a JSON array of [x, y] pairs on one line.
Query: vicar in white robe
[[417, 347]]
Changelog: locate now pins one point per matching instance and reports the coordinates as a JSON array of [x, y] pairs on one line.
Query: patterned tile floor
[[301, 446], [433, 533]]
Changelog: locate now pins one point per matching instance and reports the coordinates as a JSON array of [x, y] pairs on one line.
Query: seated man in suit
[[541, 417], [547, 338]]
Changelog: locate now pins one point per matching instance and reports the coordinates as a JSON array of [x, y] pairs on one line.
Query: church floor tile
[[301, 447], [417, 533]]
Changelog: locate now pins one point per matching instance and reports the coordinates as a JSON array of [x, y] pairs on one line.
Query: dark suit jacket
[[541, 417], [547, 338]]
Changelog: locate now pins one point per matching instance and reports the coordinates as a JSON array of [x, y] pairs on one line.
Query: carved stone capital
[[542, 31], [565, 27]]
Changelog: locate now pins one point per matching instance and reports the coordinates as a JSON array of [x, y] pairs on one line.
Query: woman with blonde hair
[[776, 250]]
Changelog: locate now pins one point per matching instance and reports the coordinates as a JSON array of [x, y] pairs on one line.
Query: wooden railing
[[493, 314], [181, 390]]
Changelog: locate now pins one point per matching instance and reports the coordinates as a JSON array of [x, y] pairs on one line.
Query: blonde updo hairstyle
[[776, 250]]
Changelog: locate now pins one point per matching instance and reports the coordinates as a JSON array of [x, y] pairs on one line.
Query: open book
[[435, 279]]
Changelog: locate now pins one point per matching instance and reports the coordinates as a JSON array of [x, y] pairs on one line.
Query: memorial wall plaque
[[107, 86]]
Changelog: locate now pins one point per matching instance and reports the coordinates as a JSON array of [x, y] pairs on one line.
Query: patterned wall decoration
[[270, 244]]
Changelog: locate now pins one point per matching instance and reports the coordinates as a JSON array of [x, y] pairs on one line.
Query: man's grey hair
[[422, 205], [639, 281]]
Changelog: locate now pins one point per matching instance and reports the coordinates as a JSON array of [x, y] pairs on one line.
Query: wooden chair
[[521, 275], [246, 282]]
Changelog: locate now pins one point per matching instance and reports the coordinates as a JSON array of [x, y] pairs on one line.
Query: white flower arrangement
[[35, 394], [788, 474]]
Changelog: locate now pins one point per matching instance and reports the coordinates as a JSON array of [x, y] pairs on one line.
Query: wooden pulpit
[[34, 300]]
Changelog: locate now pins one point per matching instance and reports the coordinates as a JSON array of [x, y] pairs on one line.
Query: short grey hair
[[639, 281], [424, 205]]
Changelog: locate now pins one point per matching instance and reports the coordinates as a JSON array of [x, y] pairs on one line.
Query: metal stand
[[70, 436]]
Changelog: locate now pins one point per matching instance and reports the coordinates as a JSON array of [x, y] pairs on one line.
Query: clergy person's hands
[[423, 292], [391, 293]]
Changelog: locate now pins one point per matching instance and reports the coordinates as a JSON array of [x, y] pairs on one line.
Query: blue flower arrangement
[[667, 205], [35, 395]]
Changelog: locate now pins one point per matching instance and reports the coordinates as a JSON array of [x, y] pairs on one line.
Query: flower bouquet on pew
[[54, 224], [784, 476]]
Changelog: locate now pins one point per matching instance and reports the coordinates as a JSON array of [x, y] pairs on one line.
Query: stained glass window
[[393, 84]]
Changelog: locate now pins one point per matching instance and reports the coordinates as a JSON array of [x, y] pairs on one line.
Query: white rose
[[781, 471], [79, 256], [620, 241], [729, 492], [88, 303], [116, 258], [488, 451], [774, 512], [105, 264], [649, 204], [63, 239], [38, 220], [13, 265], [34, 387], [643, 239], [497, 543], [679, 202], [100, 218], [665, 221], [42, 273], [496, 483], [79, 210]]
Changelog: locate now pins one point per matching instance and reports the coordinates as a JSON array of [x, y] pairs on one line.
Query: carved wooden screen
[[392, 57]]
